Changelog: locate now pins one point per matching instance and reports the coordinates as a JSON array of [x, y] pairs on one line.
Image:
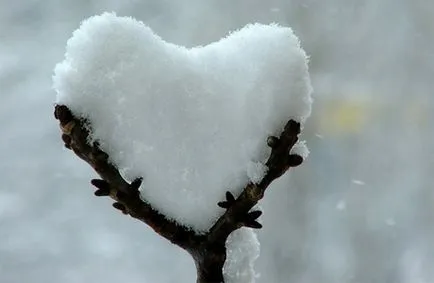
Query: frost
[[189, 121], [242, 249]]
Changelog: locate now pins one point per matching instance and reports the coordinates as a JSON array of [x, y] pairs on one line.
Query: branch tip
[[63, 114], [230, 197], [223, 204], [102, 193], [135, 185], [272, 141], [293, 127], [100, 184], [254, 215], [253, 224], [294, 160]]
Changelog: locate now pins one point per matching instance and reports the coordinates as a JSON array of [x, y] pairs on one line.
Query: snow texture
[[256, 171], [242, 249], [189, 121], [301, 149]]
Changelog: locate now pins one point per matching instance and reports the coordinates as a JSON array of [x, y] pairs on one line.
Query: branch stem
[[208, 250]]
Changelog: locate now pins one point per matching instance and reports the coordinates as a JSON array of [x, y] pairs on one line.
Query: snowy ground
[[359, 210]]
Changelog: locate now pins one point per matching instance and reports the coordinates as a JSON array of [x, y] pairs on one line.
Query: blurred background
[[360, 209]]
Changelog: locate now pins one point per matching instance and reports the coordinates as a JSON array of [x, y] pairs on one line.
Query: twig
[[208, 250], [126, 196], [238, 211]]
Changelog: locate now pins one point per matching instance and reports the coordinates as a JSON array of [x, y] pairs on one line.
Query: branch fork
[[208, 250]]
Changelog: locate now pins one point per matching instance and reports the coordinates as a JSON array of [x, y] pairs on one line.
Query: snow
[[301, 149], [242, 249], [191, 122], [357, 182], [341, 205], [256, 171]]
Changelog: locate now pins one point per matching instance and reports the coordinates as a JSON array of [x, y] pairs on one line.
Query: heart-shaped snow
[[192, 122]]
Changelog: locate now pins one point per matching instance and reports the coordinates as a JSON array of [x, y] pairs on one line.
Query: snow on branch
[[209, 249], [174, 131], [75, 134]]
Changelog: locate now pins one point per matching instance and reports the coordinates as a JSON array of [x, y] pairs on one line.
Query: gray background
[[359, 210]]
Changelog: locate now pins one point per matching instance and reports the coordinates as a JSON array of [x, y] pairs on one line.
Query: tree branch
[[280, 160], [208, 250], [126, 196]]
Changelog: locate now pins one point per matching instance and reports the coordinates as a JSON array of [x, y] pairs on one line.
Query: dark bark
[[208, 250]]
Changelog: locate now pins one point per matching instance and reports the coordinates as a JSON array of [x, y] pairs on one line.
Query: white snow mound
[[191, 122], [242, 250]]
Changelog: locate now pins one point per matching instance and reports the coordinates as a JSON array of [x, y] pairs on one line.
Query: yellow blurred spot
[[344, 117]]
